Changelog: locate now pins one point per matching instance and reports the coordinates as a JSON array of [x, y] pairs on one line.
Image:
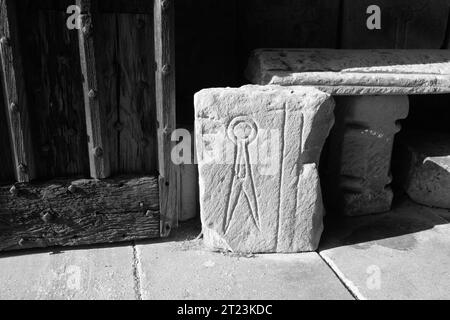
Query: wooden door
[[89, 114]]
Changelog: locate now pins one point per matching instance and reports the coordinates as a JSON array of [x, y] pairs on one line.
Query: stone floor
[[400, 255]]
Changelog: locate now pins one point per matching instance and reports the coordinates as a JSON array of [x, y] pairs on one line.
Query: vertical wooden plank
[[106, 42], [14, 91], [405, 24], [95, 116], [6, 156], [126, 6], [54, 89], [165, 108], [138, 152]]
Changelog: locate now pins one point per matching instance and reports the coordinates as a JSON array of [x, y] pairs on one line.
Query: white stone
[[258, 149]]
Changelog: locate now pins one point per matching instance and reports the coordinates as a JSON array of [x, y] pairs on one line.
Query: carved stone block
[[258, 149], [424, 168]]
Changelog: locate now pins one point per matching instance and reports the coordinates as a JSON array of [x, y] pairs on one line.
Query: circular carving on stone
[[242, 129]]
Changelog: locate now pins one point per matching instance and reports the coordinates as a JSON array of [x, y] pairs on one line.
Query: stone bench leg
[[360, 152]]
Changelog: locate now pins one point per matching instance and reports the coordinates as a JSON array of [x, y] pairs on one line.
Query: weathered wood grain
[[127, 91], [126, 6], [96, 123], [14, 92], [166, 112], [405, 24], [102, 6], [67, 213], [6, 158], [138, 151], [108, 83], [55, 90]]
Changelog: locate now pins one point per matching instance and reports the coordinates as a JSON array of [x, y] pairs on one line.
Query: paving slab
[[186, 270], [92, 273], [403, 254]]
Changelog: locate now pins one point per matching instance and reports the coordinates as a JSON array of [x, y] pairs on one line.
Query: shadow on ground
[[394, 229]]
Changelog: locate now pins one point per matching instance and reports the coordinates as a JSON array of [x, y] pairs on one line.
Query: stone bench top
[[354, 72]]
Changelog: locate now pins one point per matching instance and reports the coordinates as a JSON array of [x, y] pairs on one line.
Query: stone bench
[[371, 89]]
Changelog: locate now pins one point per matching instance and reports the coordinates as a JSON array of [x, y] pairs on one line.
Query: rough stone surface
[[403, 254], [258, 150], [183, 269], [354, 72], [425, 165], [95, 273], [359, 155]]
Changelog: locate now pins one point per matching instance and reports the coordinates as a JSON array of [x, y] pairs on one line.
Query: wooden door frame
[[164, 38], [67, 212]]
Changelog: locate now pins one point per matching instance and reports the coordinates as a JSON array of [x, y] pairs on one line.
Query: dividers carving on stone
[[258, 150]]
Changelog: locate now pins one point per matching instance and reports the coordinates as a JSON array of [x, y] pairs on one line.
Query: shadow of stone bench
[[371, 89]]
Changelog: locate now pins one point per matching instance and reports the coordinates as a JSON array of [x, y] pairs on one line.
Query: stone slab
[[354, 72], [258, 150], [185, 270], [84, 274], [425, 165], [403, 254]]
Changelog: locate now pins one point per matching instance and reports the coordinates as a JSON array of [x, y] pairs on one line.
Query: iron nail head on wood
[[14, 191], [98, 152], [14, 107], [22, 168], [4, 41], [87, 28], [165, 4], [92, 94], [72, 189], [47, 217], [166, 69]]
